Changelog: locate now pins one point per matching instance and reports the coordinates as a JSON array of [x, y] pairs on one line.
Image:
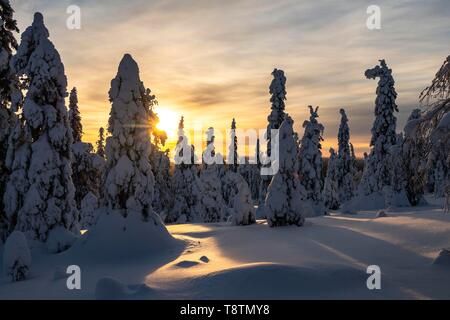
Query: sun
[[168, 121]]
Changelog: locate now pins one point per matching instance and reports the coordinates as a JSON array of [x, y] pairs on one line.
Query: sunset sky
[[211, 60]]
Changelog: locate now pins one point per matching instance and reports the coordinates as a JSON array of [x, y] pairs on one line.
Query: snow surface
[[326, 258]]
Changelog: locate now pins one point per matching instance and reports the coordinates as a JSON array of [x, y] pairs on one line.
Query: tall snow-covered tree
[[75, 116], [346, 171], [233, 161], [439, 157], [212, 205], [40, 191], [129, 183], [310, 164], [413, 159], [163, 198], [331, 191], [433, 130], [235, 189], [284, 202], [277, 91], [376, 173], [8, 81], [101, 142], [184, 182], [397, 195], [87, 166]]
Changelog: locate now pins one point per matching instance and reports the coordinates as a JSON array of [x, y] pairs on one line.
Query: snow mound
[[117, 238], [381, 214], [112, 289], [60, 239], [374, 201], [443, 259], [268, 280], [16, 257]]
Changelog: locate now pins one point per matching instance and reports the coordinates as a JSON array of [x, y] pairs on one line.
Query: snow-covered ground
[[326, 258]]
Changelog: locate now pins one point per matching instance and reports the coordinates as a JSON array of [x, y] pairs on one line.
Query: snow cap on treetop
[[378, 71], [129, 68]]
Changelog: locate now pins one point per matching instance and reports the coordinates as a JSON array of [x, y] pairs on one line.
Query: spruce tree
[[331, 189], [8, 82], [345, 173], [412, 159], [277, 91], [212, 205], [75, 116], [184, 182], [40, 191], [235, 189], [284, 203], [101, 142], [233, 148], [87, 166], [310, 162], [434, 129], [129, 183], [376, 175]]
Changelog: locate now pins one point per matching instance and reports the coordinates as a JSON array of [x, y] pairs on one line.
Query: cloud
[[211, 60]]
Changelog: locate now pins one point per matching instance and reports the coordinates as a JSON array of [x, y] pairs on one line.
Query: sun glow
[[168, 122]]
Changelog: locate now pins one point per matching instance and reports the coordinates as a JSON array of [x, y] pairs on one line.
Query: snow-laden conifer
[[310, 164], [284, 202], [8, 85], [376, 173], [40, 191]]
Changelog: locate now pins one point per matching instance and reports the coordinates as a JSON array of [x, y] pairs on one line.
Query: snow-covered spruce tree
[[284, 204], [87, 166], [233, 160], [396, 195], [212, 205], [252, 175], [163, 199], [8, 82], [184, 182], [129, 183], [413, 159], [331, 191], [277, 91], [75, 117], [237, 196], [101, 142], [376, 175], [310, 165], [346, 171], [356, 172], [235, 190], [159, 159], [40, 191], [439, 158], [434, 130]]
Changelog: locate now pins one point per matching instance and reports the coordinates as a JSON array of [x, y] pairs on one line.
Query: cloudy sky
[[210, 60]]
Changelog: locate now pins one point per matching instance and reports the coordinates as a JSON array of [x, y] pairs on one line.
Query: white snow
[[326, 258], [59, 240], [16, 257]]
